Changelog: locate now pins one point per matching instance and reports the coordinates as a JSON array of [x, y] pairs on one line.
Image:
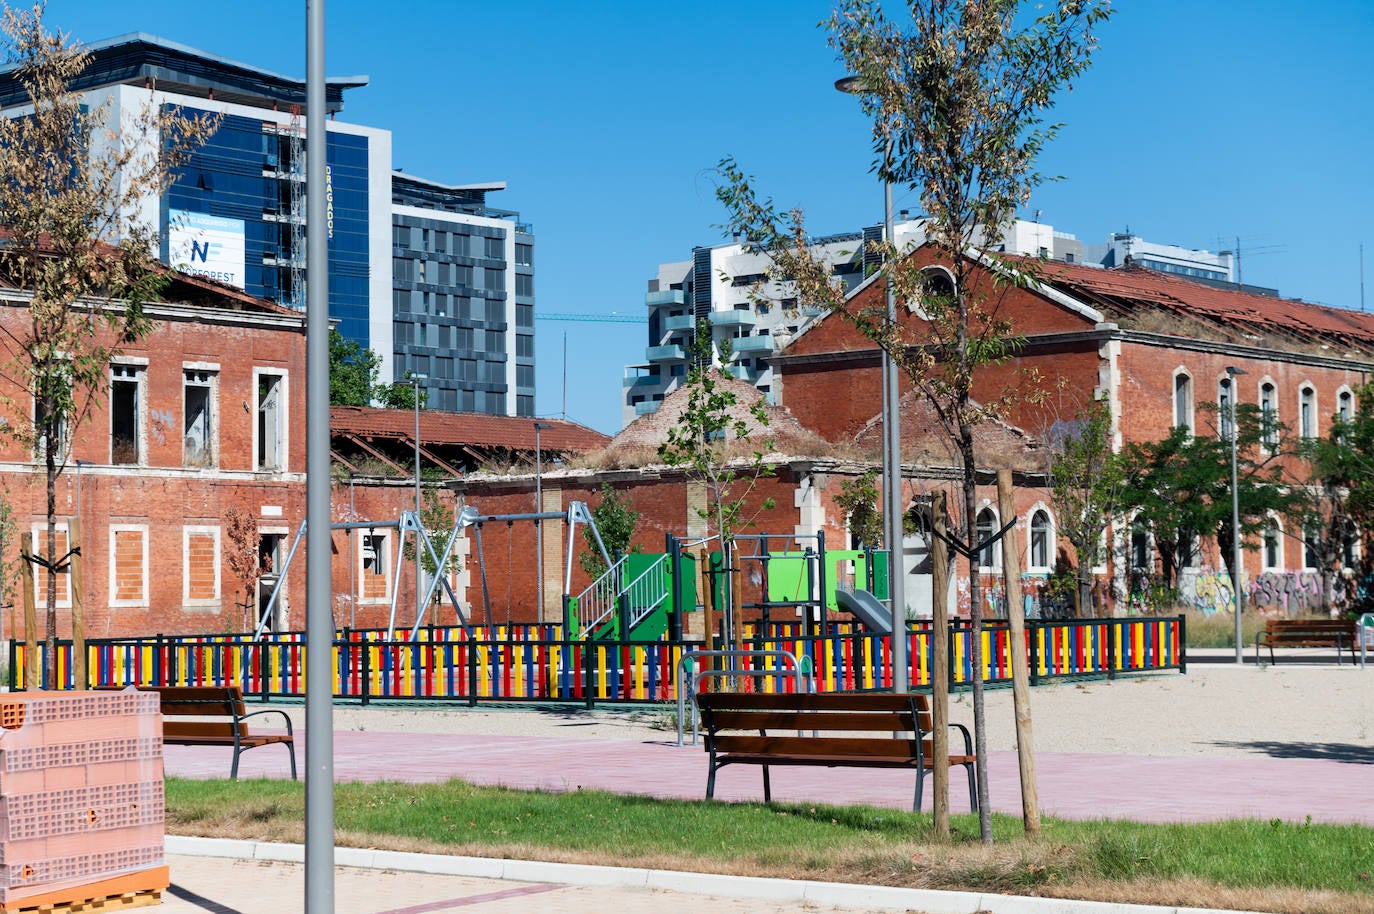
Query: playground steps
[[81, 801]]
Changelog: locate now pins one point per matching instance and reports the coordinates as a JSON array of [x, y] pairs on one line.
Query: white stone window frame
[[1226, 417], [40, 546], [187, 532], [1269, 439], [995, 548], [1189, 409], [144, 601], [1311, 414], [213, 370], [1345, 395], [1272, 522], [283, 419], [1051, 540], [142, 416], [384, 562]]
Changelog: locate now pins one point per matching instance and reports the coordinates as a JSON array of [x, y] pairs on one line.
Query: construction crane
[[590, 318]]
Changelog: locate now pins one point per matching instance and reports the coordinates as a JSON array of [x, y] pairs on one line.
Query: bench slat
[[813, 720], [811, 701], [824, 746]]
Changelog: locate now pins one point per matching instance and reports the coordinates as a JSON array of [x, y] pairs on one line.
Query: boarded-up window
[[128, 566], [201, 573], [40, 574], [375, 568]]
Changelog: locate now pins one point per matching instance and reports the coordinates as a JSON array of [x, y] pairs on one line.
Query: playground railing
[[526, 664], [645, 593], [601, 599], [686, 695]]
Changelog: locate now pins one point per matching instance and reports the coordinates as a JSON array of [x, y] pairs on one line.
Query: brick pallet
[[81, 801]]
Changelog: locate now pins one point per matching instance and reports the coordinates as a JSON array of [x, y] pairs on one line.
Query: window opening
[[124, 414]]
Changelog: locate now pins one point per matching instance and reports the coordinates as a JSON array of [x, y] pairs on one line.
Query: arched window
[[1345, 406], [1041, 541], [1183, 400], [1226, 405], [989, 557], [1269, 413], [1307, 412], [1273, 546]]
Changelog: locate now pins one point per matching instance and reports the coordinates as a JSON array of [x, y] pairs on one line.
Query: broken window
[[198, 397], [374, 562], [271, 410], [126, 414]]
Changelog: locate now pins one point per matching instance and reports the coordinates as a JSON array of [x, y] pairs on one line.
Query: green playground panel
[[655, 625], [787, 575]]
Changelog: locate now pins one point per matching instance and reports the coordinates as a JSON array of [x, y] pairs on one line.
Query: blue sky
[[1199, 123]]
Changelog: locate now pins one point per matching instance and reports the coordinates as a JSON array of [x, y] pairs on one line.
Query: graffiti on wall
[[1291, 591], [1207, 591], [1038, 598]]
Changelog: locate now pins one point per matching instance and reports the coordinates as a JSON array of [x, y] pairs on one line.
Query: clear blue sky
[[1198, 123]]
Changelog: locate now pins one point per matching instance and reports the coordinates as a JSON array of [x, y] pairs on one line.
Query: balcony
[[665, 297], [753, 344], [665, 354], [747, 374], [735, 317], [638, 377], [647, 406], [681, 322]]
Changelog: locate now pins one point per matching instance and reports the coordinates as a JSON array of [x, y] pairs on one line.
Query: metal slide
[[867, 608]]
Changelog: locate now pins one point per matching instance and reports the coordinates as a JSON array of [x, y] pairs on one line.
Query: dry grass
[[1021, 868]]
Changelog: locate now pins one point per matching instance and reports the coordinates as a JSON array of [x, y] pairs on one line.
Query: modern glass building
[[463, 315]]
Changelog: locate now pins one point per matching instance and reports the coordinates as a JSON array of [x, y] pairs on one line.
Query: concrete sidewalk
[[211, 876]]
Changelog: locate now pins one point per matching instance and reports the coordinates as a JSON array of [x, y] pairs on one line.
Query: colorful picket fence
[[530, 663]]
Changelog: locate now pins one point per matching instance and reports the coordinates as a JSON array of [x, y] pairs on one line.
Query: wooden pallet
[[120, 893]]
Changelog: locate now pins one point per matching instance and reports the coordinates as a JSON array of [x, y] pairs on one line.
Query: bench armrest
[[968, 741], [286, 717]]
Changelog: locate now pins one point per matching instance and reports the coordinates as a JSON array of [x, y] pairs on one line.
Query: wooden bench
[[835, 730], [216, 716], [1335, 633]]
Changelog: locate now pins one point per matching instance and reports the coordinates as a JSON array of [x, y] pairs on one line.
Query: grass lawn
[[1265, 866]]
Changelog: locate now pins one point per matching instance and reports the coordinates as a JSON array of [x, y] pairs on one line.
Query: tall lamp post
[[539, 525], [892, 447], [1232, 372], [417, 380]]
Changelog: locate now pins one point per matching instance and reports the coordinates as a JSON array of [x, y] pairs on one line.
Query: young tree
[[353, 377], [70, 201], [1087, 482], [715, 441], [615, 521], [241, 559], [957, 99], [858, 499]]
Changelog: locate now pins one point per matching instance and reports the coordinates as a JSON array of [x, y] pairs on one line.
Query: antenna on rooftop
[[1361, 276]]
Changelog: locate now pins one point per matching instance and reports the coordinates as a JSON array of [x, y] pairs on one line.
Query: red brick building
[[202, 418], [1155, 346]]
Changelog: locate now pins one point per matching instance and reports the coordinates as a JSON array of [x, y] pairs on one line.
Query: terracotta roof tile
[[475, 429]]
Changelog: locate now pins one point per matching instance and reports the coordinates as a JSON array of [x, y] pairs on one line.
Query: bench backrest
[[1334, 626], [205, 703], [725, 714]]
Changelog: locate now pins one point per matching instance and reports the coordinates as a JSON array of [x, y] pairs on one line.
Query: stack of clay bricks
[[81, 800]]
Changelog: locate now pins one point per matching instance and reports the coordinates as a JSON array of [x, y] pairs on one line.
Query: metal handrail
[[599, 600], [698, 675], [641, 608]]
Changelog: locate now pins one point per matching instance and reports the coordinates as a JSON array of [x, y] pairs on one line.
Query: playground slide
[[866, 608]]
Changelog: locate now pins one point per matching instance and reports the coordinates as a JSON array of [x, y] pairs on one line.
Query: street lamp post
[[892, 447], [416, 380], [1232, 372], [539, 525]]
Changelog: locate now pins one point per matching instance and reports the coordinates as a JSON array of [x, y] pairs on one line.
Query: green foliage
[[1180, 487], [437, 517], [712, 427], [353, 377], [858, 499], [615, 521], [9, 540], [1086, 486]]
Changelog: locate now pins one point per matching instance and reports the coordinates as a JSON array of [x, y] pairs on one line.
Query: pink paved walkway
[[1145, 788]]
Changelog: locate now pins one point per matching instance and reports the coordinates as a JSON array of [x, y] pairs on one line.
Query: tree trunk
[[975, 594], [1083, 595], [50, 553]]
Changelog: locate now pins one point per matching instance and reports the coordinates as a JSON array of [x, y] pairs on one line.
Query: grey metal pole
[[319, 683], [415, 380], [892, 473], [539, 525], [1237, 595]]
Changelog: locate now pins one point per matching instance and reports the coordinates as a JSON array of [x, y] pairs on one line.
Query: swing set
[[408, 524]]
